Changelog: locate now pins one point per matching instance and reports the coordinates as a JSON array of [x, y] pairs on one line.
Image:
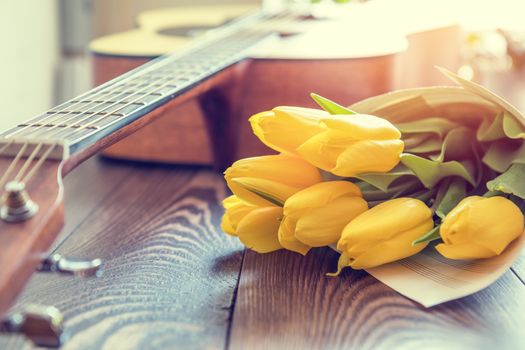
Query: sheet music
[[431, 279]]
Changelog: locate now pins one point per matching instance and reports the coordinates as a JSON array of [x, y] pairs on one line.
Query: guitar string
[[102, 89], [97, 91], [167, 60], [11, 167], [253, 33], [9, 143], [64, 119], [160, 88], [61, 118], [28, 162], [38, 164], [169, 81]]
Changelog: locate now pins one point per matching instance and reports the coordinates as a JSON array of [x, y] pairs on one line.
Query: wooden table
[[173, 280]]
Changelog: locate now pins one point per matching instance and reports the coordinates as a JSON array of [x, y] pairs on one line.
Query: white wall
[[28, 58]]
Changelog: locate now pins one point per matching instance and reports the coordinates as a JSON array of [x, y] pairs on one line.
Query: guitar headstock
[[31, 211]]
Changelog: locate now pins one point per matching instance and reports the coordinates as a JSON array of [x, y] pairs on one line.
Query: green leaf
[[262, 194], [491, 129], [438, 126], [330, 106], [383, 180], [430, 172], [513, 127], [455, 191], [501, 154], [510, 182], [429, 236], [405, 186]]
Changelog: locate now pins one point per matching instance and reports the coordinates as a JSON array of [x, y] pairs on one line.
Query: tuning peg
[[18, 206], [77, 267], [43, 325]]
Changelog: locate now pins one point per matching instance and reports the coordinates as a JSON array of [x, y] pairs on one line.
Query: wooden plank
[[285, 301], [170, 272]]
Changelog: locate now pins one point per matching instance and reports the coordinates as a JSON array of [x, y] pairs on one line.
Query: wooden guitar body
[[182, 134], [285, 74]]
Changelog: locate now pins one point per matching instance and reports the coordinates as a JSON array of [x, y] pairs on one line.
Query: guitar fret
[[48, 125]]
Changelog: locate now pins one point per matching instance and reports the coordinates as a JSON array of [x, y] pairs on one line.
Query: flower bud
[[345, 145], [270, 180], [284, 128], [480, 227], [256, 227], [385, 233], [354, 144], [316, 216]]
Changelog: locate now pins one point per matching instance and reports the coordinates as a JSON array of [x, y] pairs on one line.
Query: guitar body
[[283, 74]]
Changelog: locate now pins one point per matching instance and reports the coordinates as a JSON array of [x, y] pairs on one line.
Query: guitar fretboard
[[82, 121]]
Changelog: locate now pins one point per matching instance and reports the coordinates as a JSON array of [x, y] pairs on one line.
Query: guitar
[[197, 97], [325, 54]]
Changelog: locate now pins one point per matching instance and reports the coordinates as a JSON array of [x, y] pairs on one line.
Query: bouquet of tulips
[[381, 179]]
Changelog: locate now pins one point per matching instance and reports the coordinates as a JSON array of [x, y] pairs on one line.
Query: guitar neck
[[87, 120]]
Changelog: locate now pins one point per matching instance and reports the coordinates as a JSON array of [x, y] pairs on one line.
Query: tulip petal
[[230, 201], [267, 192], [322, 226], [385, 221], [318, 151], [285, 128], [287, 238], [368, 156], [319, 195], [494, 223], [226, 225], [273, 171], [455, 221], [363, 127], [258, 229], [397, 248], [465, 251], [235, 210]]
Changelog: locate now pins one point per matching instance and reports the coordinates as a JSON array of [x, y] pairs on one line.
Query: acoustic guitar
[[198, 97]]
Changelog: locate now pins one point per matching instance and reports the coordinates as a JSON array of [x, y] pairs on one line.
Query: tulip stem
[[344, 261]]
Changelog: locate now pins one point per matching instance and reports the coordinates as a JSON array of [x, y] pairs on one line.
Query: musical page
[[430, 279]]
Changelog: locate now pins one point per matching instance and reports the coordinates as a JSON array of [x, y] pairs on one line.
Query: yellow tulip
[[284, 129], [384, 233], [316, 216], [256, 227], [345, 145], [270, 180], [354, 144], [480, 227]]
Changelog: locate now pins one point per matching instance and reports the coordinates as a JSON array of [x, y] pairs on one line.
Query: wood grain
[[285, 301], [170, 273]]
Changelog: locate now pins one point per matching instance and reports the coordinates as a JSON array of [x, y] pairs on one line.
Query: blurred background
[[45, 57]]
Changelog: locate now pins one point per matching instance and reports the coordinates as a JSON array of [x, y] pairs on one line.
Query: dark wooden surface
[[171, 280]]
